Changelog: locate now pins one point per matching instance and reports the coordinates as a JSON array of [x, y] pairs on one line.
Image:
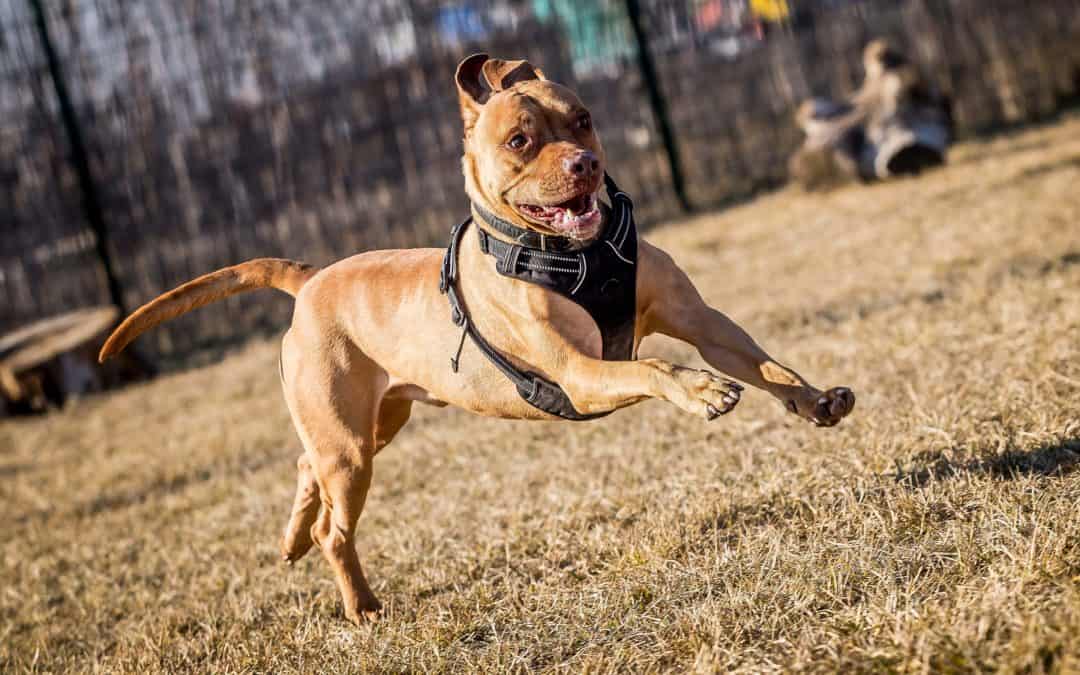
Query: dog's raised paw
[[832, 406], [719, 394]]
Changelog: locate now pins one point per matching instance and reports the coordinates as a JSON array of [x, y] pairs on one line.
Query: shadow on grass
[[153, 487], [1050, 167], [1017, 148], [7, 470], [1052, 459], [987, 134]]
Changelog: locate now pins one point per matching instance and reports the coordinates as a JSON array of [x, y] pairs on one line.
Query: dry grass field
[[937, 529]]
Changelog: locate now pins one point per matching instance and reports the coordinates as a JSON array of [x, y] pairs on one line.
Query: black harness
[[601, 277]]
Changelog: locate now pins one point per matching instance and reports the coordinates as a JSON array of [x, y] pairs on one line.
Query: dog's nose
[[582, 164]]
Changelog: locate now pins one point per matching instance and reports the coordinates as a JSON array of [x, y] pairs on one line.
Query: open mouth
[[577, 217]]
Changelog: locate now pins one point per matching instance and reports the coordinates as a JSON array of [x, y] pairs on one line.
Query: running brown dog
[[370, 334]]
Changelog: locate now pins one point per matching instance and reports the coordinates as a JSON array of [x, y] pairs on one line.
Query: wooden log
[[46, 362]]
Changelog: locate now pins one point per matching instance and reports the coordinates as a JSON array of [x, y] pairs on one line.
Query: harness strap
[[535, 389], [560, 264], [512, 258]]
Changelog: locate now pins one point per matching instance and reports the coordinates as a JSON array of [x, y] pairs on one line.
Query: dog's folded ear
[[471, 91], [470, 86], [505, 74], [478, 76]]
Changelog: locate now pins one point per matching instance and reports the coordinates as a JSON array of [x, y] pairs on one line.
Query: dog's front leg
[[596, 386], [727, 347], [673, 306]]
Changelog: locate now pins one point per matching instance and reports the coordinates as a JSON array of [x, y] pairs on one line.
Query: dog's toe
[[721, 397]]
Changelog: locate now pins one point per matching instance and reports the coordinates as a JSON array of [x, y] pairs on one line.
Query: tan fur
[[372, 334], [285, 275]]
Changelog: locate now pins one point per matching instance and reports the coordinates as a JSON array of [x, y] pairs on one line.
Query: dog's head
[[532, 156], [880, 56]]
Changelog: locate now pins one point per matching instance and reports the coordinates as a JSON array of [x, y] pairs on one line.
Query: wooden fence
[[221, 131]]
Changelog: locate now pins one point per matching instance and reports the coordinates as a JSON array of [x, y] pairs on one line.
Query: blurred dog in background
[[897, 123]]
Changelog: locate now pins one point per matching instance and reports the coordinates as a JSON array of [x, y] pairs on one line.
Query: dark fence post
[[658, 104], [90, 202]]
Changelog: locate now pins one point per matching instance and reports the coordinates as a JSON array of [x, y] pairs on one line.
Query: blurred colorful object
[[596, 30], [710, 15], [460, 24], [770, 10]]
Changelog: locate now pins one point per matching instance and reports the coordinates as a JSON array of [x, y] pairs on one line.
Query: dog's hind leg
[[344, 491], [333, 525], [334, 399], [296, 540]]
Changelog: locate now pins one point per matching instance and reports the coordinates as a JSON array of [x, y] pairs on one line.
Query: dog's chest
[[566, 322]]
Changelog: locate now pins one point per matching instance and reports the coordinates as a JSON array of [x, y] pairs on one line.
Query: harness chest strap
[[600, 277], [535, 389]]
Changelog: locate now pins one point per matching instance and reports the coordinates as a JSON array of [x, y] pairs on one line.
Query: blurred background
[[145, 142]]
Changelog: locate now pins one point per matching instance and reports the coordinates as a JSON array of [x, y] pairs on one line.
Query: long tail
[[285, 275]]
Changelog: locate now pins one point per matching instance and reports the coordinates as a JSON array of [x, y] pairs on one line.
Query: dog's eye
[[584, 123], [518, 141]]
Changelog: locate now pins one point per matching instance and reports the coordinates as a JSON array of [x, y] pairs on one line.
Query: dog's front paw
[[710, 394], [832, 406]]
